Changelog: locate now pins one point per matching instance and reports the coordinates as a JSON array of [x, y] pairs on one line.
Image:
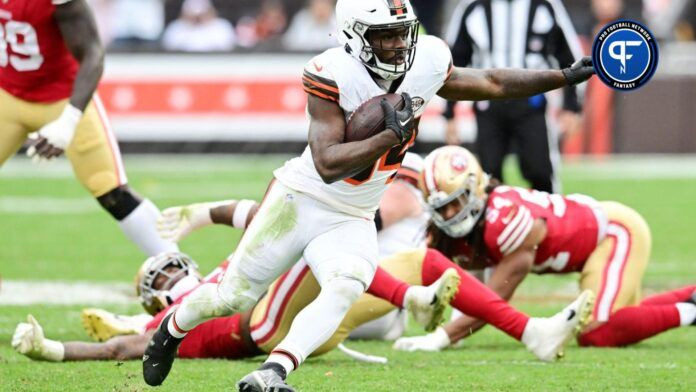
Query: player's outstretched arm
[[334, 159], [79, 31], [468, 84], [508, 274], [29, 340], [176, 223], [120, 348]]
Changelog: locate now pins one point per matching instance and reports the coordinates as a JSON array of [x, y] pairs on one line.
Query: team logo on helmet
[[459, 162]]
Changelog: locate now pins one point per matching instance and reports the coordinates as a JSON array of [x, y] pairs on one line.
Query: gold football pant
[[287, 296], [93, 152], [614, 271]]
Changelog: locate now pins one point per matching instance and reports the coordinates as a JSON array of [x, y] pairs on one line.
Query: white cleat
[[103, 325], [547, 337], [427, 304]]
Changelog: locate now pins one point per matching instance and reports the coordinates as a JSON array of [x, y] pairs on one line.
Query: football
[[368, 119]]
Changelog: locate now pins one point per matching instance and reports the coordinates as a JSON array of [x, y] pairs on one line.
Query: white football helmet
[[163, 278], [357, 18], [453, 175]]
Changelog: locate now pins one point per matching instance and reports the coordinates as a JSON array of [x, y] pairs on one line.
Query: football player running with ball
[[51, 61], [481, 223], [321, 205]]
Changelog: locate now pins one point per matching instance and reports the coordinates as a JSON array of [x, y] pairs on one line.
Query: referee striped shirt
[[534, 34]]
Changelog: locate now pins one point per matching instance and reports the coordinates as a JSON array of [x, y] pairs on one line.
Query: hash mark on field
[[22, 292], [33, 205]]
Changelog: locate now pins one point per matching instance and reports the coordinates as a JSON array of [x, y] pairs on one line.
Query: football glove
[[399, 121], [579, 72], [176, 223], [29, 340], [434, 341], [53, 138]]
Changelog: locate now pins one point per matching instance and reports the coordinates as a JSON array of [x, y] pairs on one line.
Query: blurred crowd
[[309, 25], [216, 25]]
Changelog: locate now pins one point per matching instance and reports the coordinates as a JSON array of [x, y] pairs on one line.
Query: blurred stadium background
[[244, 96], [167, 96]]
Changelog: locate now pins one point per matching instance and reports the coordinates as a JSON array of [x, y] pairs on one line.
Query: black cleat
[[263, 380], [159, 354]]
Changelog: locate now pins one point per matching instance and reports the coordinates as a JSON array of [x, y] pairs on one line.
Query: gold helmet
[[452, 174], [163, 278]]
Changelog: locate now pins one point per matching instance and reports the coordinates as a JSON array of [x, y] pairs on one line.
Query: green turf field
[[50, 229]]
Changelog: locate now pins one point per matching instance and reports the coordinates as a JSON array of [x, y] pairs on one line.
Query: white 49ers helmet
[[453, 176], [357, 18], [164, 278]]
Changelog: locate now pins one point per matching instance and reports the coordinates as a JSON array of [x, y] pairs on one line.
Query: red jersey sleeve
[[507, 225]]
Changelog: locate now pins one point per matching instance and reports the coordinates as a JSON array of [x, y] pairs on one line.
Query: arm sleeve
[[565, 47]]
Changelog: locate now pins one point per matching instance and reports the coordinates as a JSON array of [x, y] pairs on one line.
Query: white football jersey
[[337, 76], [405, 234]]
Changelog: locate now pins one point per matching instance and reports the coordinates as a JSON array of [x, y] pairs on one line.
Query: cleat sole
[[445, 293]]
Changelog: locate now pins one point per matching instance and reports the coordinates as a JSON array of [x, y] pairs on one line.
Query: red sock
[[474, 298], [670, 297], [387, 287], [631, 325]]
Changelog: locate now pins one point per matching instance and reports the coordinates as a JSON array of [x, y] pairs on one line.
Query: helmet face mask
[[361, 21], [163, 276], [381, 55], [469, 210], [454, 186]]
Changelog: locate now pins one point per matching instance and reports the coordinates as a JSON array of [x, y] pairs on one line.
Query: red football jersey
[[572, 224], [216, 338], [35, 64]]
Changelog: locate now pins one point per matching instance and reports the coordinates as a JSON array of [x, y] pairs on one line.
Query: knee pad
[[344, 291], [120, 202], [237, 294]]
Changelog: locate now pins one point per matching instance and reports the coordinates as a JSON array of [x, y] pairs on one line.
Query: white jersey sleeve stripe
[[518, 237], [513, 224]]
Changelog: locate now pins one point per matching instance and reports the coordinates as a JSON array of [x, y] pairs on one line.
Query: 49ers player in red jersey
[[51, 61], [520, 231]]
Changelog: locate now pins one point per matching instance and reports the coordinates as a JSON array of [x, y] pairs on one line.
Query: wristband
[[53, 351], [241, 213], [71, 115]]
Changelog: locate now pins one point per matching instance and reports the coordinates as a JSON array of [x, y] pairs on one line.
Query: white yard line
[[22, 292], [32, 205], [614, 167]]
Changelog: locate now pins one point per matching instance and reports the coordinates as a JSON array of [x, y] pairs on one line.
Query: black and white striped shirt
[[534, 34]]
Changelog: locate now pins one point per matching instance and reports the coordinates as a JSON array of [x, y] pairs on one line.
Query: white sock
[[283, 361], [200, 305], [315, 324], [140, 227], [174, 331], [687, 313]]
